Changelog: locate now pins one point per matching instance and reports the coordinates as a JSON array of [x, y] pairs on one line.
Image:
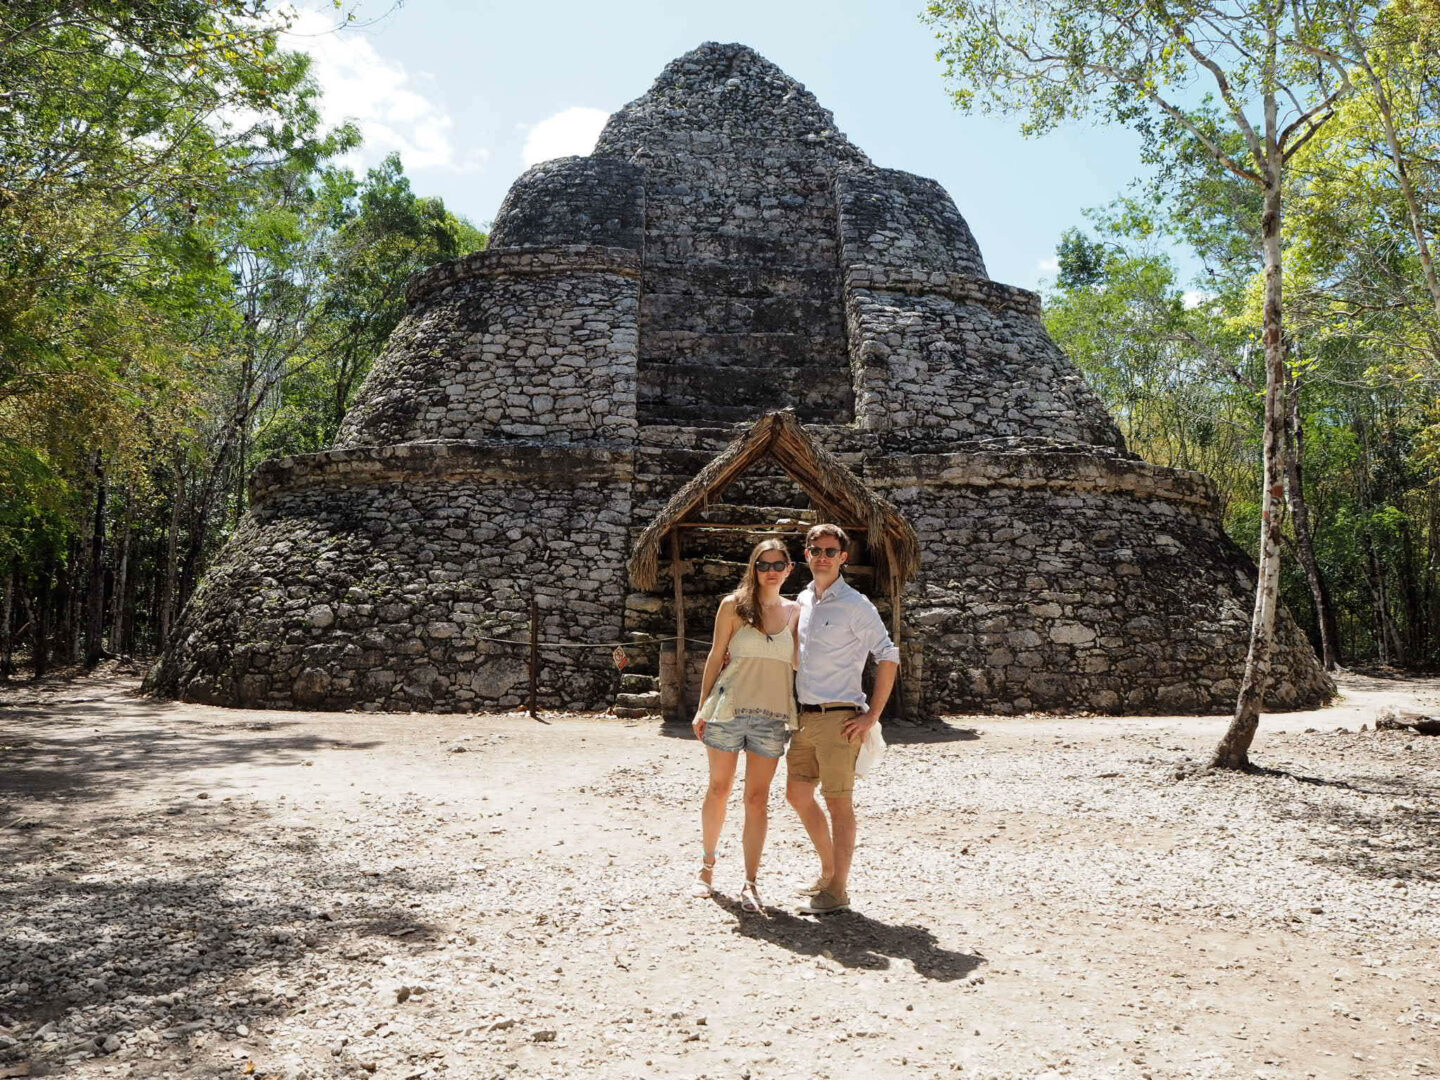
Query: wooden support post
[[534, 654], [679, 619], [896, 590], [897, 705]]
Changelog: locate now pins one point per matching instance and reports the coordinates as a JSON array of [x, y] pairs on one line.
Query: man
[[838, 629]]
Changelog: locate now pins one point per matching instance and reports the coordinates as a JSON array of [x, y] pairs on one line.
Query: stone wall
[[521, 344], [741, 309], [1069, 581], [369, 579], [941, 360], [901, 221], [574, 200]]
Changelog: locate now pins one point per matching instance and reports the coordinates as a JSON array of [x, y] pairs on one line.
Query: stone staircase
[[737, 318]]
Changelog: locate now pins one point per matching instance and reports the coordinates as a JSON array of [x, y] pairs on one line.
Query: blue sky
[[470, 93]]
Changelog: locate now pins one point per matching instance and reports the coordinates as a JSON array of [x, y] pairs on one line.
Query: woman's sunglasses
[[766, 567]]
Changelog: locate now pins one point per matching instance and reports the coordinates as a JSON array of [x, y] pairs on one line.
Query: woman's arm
[[726, 623]]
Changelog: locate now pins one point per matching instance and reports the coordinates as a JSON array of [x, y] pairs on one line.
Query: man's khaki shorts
[[820, 751]]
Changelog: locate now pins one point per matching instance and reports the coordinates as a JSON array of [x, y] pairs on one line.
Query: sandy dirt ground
[[196, 892]]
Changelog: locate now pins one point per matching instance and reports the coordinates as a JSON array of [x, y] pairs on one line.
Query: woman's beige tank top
[[758, 681]]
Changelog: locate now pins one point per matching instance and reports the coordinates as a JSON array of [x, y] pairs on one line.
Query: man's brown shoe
[[817, 887], [824, 902]]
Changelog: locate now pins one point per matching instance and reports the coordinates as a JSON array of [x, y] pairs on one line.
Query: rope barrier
[[593, 645]]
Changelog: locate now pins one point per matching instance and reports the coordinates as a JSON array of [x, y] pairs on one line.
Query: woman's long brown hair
[[746, 597]]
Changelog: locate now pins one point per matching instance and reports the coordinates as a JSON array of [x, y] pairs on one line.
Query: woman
[[750, 707]]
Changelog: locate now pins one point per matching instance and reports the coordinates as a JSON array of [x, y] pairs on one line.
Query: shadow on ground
[[118, 931], [897, 733], [854, 940], [1397, 842], [52, 752]]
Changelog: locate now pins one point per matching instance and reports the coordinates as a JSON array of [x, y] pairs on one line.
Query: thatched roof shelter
[[837, 494]]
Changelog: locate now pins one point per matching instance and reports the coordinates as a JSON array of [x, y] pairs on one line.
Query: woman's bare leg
[[759, 771], [717, 794]]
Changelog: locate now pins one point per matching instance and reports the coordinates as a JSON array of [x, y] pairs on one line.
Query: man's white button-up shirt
[[837, 631]]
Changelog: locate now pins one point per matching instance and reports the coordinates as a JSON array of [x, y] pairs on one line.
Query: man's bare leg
[[842, 826], [801, 795]]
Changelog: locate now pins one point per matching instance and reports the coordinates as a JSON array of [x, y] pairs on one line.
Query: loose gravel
[[193, 892]]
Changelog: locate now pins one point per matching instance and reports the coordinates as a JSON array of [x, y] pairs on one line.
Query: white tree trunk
[[1233, 750]]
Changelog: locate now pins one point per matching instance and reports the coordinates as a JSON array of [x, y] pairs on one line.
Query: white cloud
[[1049, 266], [1193, 298], [377, 94], [571, 131]]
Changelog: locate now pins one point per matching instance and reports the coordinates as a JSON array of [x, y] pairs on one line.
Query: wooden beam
[[534, 654], [801, 528], [896, 589], [679, 619]]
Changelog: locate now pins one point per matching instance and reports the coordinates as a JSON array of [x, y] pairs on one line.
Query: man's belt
[[832, 706]]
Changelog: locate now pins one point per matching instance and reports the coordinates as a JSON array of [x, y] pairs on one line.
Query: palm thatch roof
[[837, 494]]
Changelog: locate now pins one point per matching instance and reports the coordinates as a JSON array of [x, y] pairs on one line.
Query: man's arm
[[887, 656], [855, 728]]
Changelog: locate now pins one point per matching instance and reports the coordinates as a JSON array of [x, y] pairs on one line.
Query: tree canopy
[[188, 282]]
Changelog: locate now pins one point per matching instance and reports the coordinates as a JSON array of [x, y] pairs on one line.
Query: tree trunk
[[1305, 548], [172, 554], [40, 621], [118, 610], [1233, 749], [190, 567], [1432, 594], [1392, 649], [1410, 593], [7, 610], [1386, 642], [71, 609], [95, 589]]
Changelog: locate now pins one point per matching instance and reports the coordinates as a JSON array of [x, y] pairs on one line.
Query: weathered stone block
[[311, 686], [1071, 634]]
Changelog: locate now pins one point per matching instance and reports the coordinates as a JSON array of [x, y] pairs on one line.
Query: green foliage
[[378, 235], [1163, 367], [1296, 116], [186, 283], [1050, 61], [352, 248], [1082, 260]]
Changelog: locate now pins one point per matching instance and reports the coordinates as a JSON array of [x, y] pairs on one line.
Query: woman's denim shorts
[[754, 734]]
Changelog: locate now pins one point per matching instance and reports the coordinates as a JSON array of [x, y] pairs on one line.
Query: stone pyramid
[[723, 252]]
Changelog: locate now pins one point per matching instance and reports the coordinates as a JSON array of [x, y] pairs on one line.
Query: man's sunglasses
[[827, 553], [772, 567]]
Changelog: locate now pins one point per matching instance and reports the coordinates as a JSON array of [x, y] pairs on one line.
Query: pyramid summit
[[728, 90], [585, 385]]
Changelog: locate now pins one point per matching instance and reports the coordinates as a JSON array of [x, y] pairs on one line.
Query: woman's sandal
[[704, 881], [750, 899]]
